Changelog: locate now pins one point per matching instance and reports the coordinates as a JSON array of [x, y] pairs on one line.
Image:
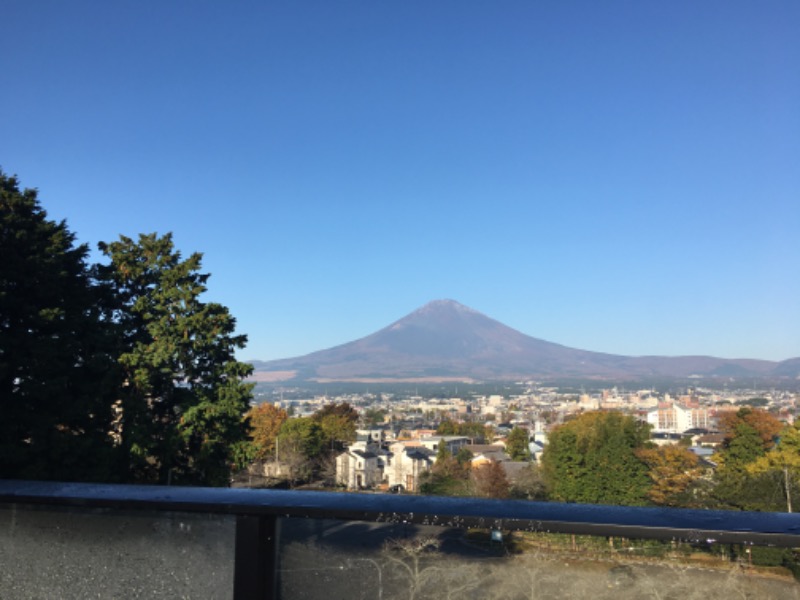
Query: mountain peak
[[440, 316], [445, 304], [446, 340]]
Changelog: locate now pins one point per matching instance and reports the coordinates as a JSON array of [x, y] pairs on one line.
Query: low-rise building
[[453, 443], [405, 464], [358, 467]]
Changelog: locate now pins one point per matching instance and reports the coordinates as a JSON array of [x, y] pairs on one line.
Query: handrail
[[769, 529]]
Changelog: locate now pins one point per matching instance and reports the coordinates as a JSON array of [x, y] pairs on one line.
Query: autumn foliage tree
[[765, 425], [489, 481], [265, 421], [749, 435], [673, 471], [784, 458], [338, 409]]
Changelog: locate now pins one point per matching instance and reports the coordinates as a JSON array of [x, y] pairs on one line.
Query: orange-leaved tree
[[765, 425], [265, 423], [672, 470], [489, 481]]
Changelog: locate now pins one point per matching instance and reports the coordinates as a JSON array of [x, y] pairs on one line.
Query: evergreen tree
[[442, 451], [182, 393], [594, 459], [56, 375], [517, 444], [743, 448]]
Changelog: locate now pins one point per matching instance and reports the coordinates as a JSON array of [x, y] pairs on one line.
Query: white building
[[672, 417], [358, 468], [404, 465], [452, 442]]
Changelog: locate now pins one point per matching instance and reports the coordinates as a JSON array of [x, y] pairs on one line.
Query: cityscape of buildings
[[398, 441]]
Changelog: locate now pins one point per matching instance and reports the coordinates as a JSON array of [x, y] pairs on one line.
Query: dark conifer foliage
[[57, 378], [114, 372], [182, 394]]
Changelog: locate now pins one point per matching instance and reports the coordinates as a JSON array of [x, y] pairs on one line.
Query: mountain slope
[[445, 339]]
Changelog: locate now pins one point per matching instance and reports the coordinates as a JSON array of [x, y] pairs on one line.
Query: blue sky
[[619, 176]]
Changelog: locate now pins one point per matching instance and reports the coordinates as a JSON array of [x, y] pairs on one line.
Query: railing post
[[256, 562]]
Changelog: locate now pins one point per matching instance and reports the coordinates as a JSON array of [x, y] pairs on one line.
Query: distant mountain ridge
[[445, 340]]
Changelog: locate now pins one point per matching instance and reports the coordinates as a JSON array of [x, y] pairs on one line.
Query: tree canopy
[[489, 481], [478, 432], [784, 458], [303, 435], [593, 459], [673, 470], [183, 394], [113, 372], [765, 425], [373, 416], [450, 475], [265, 423], [338, 409], [56, 371], [517, 444], [337, 424]]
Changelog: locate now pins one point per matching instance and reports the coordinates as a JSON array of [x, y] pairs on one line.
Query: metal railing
[[257, 512]]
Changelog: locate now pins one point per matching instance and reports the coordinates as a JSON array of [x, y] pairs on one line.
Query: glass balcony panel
[[156, 551], [324, 559], [99, 553]]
